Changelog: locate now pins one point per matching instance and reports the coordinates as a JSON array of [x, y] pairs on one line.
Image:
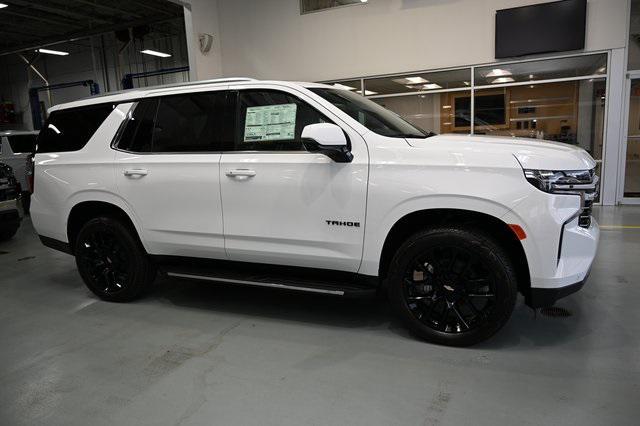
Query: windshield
[[371, 115]]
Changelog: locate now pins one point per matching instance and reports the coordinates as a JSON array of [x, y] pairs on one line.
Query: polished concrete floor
[[195, 354]]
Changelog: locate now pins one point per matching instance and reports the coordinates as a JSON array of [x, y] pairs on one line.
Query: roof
[[133, 94]]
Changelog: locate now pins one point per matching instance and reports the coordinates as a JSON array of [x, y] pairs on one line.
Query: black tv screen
[[541, 28], [489, 110]]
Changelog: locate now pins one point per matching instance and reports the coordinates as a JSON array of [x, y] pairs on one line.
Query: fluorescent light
[[601, 70], [155, 53], [410, 80], [497, 72], [446, 106], [343, 87], [466, 83], [502, 80], [431, 86], [367, 92], [52, 52], [2, 5]]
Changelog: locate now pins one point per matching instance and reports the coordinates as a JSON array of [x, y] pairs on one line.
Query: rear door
[[282, 204], [167, 169]]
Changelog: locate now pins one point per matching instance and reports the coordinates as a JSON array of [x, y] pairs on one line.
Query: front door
[[167, 169], [282, 204]]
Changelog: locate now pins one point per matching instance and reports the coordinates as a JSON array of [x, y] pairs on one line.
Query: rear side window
[[194, 122], [70, 129], [138, 129], [23, 143]]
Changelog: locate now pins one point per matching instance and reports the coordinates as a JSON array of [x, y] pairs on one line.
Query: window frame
[[303, 12]]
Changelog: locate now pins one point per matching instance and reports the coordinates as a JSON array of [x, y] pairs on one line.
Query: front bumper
[[545, 297]]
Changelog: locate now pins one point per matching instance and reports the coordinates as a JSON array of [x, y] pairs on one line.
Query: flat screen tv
[[548, 27], [490, 110]]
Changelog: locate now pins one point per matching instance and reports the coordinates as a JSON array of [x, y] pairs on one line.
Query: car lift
[[127, 80], [34, 98]]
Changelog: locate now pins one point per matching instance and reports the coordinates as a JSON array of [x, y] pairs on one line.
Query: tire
[[8, 233], [452, 286], [111, 260]]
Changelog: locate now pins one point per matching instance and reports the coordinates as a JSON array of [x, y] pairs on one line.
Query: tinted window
[[23, 143], [71, 129], [191, 123], [371, 115], [272, 121], [136, 136]]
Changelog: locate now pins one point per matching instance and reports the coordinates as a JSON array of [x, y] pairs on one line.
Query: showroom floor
[[198, 353]]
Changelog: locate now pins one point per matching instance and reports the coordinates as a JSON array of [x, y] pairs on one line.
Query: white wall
[[270, 39]]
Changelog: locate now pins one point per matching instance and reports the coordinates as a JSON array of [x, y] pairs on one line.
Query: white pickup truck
[[306, 187]]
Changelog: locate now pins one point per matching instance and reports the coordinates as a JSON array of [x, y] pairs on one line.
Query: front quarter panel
[[405, 179]]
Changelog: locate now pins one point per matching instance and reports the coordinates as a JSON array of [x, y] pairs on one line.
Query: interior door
[[167, 169], [282, 204]]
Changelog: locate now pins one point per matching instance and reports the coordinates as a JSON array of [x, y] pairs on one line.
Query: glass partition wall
[[560, 99]]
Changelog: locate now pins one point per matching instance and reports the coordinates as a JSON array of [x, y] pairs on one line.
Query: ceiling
[[27, 24]]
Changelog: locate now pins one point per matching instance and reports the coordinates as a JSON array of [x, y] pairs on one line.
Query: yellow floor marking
[[620, 226]]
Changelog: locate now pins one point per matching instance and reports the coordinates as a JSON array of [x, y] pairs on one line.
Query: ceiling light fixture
[[367, 92], [3, 5], [410, 80], [431, 86], [466, 83], [343, 87], [502, 80], [497, 72], [52, 52], [155, 53]]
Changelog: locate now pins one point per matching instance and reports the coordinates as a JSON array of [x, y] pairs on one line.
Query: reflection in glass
[[433, 112], [546, 69], [569, 112], [419, 82]]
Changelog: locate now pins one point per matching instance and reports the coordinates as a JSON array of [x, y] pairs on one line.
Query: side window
[[193, 122], [71, 129], [270, 120], [136, 136]]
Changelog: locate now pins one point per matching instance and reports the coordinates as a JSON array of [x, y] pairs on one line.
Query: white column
[[613, 127], [200, 18]]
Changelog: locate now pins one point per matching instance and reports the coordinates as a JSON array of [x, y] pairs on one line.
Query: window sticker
[[270, 122]]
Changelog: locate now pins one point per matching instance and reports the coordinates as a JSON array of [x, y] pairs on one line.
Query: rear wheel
[[453, 286], [111, 261]]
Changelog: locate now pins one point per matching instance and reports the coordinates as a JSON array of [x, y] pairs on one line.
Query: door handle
[[135, 172], [240, 173]]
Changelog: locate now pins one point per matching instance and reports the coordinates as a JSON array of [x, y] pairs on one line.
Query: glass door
[[632, 150]]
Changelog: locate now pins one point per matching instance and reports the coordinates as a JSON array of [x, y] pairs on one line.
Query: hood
[[531, 153]]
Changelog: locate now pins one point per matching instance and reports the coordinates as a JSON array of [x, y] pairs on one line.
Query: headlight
[[572, 182]]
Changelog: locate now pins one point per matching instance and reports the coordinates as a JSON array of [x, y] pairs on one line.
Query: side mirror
[[328, 139]]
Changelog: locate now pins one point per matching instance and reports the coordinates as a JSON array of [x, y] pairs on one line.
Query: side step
[[291, 279]]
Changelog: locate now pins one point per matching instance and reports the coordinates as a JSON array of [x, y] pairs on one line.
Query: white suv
[[16, 150], [306, 187]]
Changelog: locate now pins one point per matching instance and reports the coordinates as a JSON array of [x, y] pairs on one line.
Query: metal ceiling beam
[[33, 17], [60, 11], [75, 35], [108, 8], [147, 6]]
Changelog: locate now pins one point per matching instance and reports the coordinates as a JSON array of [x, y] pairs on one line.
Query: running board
[[290, 279]]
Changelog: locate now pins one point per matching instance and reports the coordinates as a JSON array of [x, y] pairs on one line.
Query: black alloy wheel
[[111, 261], [453, 286]]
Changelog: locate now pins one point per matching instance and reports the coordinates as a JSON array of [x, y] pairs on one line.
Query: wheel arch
[[427, 218], [84, 211]]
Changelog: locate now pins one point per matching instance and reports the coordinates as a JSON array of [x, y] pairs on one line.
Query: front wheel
[[452, 286], [111, 261]]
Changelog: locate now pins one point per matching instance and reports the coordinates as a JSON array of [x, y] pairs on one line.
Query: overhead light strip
[[155, 53], [52, 52]]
